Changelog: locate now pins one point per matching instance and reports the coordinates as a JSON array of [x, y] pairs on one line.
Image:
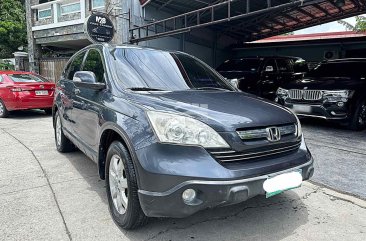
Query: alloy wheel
[[118, 184], [58, 131]]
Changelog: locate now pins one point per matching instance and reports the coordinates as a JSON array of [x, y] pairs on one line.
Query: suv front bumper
[[328, 111], [209, 194], [166, 171]]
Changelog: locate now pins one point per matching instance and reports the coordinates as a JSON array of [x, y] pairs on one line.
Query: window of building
[[44, 1], [70, 8], [97, 4], [76, 65], [44, 13], [94, 63]]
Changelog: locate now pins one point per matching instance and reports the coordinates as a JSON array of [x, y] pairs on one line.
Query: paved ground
[[340, 156], [45, 195]]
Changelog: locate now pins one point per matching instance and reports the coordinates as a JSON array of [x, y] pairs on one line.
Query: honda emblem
[[273, 134]]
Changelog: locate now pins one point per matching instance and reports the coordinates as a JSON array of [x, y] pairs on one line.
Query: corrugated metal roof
[[314, 36], [262, 24]]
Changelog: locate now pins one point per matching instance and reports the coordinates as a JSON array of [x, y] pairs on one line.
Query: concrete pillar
[[126, 6], [34, 49]]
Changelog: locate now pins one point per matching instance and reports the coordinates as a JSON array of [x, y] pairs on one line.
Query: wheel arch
[[110, 133]]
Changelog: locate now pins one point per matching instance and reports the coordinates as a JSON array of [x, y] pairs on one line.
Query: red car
[[24, 90]]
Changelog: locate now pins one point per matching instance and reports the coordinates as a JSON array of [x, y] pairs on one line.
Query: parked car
[[171, 136], [263, 75], [335, 90], [23, 91]]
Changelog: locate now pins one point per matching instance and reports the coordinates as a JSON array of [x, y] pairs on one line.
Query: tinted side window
[[94, 63], [284, 65], [271, 63], [1, 78], [75, 65]]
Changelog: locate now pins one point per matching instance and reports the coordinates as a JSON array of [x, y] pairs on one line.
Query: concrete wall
[[202, 43]]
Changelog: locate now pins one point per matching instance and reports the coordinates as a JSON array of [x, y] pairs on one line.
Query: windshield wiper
[[209, 88], [144, 89]]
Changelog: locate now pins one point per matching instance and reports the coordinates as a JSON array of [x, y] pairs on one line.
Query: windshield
[[240, 65], [348, 69], [26, 78], [146, 69]]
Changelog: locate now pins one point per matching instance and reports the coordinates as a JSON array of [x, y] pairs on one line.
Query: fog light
[[340, 104], [189, 195], [333, 113], [276, 99]]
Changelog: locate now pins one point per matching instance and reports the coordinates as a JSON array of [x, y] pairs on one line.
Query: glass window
[[26, 78], [284, 65], [271, 64], [1, 78], [70, 8], [44, 13], [348, 69], [251, 65], [44, 1], [146, 68], [97, 4], [94, 63], [76, 65]]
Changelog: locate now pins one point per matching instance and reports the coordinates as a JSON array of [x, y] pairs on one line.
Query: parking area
[[45, 195]]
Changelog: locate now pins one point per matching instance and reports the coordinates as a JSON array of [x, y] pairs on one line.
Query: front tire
[[358, 120], [3, 111], [63, 144], [122, 190]]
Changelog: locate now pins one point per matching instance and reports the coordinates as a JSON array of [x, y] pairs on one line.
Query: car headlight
[[178, 129], [282, 92], [337, 95]]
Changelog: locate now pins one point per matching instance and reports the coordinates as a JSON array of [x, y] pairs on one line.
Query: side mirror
[[234, 82], [269, 68], [88, 80], [85, 77]]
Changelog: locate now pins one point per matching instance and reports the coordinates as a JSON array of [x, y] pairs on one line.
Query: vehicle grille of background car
[[296, 94]]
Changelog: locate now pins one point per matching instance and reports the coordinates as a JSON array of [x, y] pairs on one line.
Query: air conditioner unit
[[331, 54]]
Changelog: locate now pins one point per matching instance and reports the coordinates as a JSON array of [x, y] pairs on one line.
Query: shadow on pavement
[[256, 219], [27, 114]]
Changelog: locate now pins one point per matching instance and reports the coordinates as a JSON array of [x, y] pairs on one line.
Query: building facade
[[57, 26]]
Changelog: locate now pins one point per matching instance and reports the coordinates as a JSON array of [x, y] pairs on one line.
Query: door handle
[[77, 91]]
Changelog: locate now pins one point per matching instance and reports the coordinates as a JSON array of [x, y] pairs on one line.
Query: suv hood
[[222, 110], [326, 83]]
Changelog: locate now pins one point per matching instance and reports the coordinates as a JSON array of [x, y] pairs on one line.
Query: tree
[[13, 30], [360, 25]]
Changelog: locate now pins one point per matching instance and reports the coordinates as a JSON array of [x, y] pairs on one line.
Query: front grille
[[305, 94], [262, 133], [233, 156]]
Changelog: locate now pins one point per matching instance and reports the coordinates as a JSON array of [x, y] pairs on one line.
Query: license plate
[[283, 182], [301, 109], [41, 92]]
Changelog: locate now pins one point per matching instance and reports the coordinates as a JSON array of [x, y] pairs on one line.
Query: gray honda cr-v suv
[[171, 136]]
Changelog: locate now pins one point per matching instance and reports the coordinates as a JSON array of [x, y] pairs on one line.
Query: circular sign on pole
[[99, 28]]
